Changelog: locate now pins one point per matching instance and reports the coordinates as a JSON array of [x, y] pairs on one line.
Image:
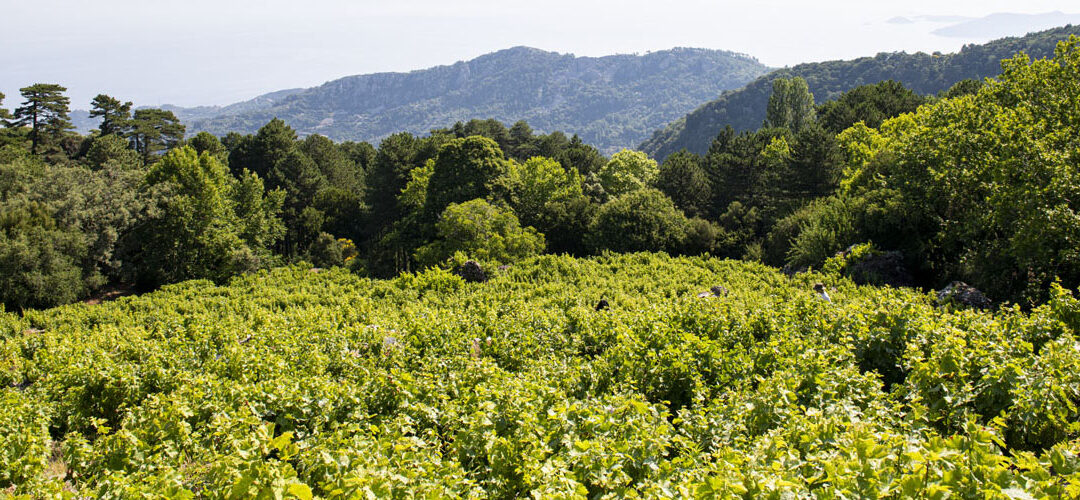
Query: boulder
[[963, 294], [715, 291], [877, 268], [790, 271], [471, 272]]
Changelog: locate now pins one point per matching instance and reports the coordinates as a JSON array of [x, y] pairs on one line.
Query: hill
[[744, 109], [300, 384], [611, 102], [84, 124]]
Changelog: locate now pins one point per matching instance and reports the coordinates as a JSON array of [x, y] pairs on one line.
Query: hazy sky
[[222, 51]]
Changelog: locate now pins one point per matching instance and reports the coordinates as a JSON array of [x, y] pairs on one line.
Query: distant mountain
[[744, 109], [611, 102], [998, 25], [84, 124]]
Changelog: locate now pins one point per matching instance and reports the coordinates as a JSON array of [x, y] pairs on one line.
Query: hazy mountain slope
[[612, 101], [744, 109], [84, 124]]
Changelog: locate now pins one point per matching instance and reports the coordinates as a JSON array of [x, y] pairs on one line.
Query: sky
[[216, 52]]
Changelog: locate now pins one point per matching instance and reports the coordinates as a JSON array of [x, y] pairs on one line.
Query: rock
[[715, 291], [878, 268], [790, 271], [963, 294], [471, 272]]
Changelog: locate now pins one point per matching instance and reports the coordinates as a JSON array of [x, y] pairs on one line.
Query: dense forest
[[611, 102], [137, 205], [926, 74]]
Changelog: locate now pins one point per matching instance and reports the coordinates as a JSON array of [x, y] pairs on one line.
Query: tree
[[791, 105], [870, 104], [539, 182], [4, 113], [585, 158], [209, 143], [200, 232], [685, 182], [39, 262], [338, 169], [45, 111], [992, 175], [482, 232], [397, 155], [260, 152], [642, 220], [522, 142], [78, 214], [155, 130], [362, 154], [111, 149], [627, 171], [464, 169], [300, 179], [115, 115]]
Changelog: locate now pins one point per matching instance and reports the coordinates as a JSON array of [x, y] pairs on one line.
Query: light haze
[[202, 52]]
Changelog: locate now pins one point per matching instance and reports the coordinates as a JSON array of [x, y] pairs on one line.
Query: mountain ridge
[[744, 108], [612, 101]]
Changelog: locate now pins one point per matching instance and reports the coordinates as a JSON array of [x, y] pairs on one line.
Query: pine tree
[[45, 112], [154, 130], [115, 115], [4, 114]]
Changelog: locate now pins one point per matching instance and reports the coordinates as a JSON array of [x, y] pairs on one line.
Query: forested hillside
[[612, 102], [927, 74], [136, 204]]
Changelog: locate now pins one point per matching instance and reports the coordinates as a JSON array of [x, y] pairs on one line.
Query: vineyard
[[300, 383]]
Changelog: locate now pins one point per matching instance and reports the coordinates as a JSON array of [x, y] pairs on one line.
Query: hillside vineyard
[[295, 383]]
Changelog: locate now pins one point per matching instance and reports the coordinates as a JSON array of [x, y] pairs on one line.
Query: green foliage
[[115, 115], [45, 112], [207, 142], [211, 225], [74, 241], [926, 74], [640, 220], [683, 179], [791, 105], [39, 264], [871, 104], [4, 113], [965, 87], [538, 184], [298, 384], [154, 131], [993, 174], [111, 151], [483, 232], [626, 172], [464, 169]]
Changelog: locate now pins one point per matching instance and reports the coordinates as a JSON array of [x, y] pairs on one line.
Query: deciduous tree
[[791, 104]]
